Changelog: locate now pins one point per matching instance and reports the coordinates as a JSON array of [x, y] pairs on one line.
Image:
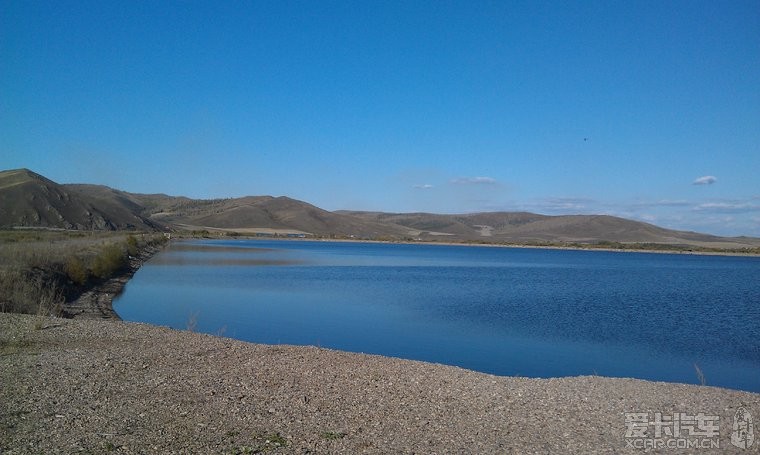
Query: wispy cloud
[[425, 186], [638, 205], [474, 181], [705, 180], [551, 205], [670, 203], [564, 204], [727, 207]]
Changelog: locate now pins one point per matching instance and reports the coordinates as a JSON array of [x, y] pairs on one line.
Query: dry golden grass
[[40, 269]]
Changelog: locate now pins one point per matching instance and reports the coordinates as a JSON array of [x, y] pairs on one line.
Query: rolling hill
[[28, 199], [269, 214], [531, 228]]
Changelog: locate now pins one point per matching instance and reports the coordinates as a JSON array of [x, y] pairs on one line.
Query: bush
[[132, 248], [76, 271], [110, 260]]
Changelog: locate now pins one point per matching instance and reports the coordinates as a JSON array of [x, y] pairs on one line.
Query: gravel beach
[[106, 386]]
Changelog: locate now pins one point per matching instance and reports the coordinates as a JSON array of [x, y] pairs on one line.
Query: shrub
[[132, 248], [28, 292], [76, 271], [110, 260]]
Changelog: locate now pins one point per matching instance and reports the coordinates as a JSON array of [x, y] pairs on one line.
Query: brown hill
[[28, 199], [31, 200], [467, 226], [275, 213], [522, 227]]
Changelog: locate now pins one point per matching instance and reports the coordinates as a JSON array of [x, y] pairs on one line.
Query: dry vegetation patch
[[40, 270]]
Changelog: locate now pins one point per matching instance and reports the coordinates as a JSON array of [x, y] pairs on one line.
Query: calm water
[[506, 311]]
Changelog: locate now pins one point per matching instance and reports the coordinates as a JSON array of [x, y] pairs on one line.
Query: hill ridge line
[[28, 199]]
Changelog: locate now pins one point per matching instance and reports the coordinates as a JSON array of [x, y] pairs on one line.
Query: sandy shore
[[94, 386]]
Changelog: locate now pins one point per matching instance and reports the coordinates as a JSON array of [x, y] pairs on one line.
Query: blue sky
[[551, 107]]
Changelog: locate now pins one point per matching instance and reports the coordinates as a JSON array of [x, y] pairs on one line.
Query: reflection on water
[[209, 248], [182, 260], [539, 313], [196, 253]]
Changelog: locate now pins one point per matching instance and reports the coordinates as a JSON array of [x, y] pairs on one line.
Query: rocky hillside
[[31, 200]]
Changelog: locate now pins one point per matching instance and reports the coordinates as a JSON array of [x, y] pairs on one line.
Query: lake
[[505, 311]]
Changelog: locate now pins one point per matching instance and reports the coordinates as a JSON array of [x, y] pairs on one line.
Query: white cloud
[[669, 203], [426, 186], [705, 180], [474, 181]]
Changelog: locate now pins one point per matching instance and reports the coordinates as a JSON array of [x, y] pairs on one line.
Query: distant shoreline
[[611, 250], [489, 245]]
